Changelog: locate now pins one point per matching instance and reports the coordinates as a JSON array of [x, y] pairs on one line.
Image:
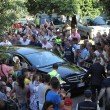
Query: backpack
[[12, 105]]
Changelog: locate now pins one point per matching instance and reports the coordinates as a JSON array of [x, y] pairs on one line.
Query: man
[[69, 52], [102, 54], [46, 44], [83, 54], [97, 72], [53, 95], [3, 97], [25, 40], [42, 89], [5, 42], [87, 104], [54, 72], [105, 89], [75, 34]]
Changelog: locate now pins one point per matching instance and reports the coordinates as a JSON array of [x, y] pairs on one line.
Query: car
[[44, 60], [89, 27]]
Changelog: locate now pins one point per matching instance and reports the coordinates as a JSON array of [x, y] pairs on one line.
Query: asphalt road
[[77, 99]]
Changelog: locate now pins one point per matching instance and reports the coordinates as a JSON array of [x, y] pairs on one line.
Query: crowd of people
[[35, 92]]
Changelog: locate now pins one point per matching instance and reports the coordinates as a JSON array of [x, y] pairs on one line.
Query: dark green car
[[44, 60]]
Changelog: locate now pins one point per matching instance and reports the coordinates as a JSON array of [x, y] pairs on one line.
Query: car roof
[[22, 50]]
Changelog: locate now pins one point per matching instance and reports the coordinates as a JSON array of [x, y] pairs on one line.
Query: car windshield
[[41, 59], [99, 21]]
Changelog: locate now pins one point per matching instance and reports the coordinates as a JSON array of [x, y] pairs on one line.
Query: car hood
[[64, 70]]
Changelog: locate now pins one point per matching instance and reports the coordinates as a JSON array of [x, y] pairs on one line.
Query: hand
[[101, 55], [97, 102], [81, 81]]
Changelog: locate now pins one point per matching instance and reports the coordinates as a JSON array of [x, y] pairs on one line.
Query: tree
[[106, 7], [50, 6], [66, 7], [9, 12]]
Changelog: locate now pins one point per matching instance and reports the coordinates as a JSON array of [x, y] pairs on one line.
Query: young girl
[[33, 86]]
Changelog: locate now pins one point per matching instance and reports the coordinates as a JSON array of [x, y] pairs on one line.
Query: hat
[[15, 59], [88, 93], [68, 101]]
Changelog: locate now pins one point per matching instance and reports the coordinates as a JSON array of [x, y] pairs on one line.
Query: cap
[[68, 101], [88, 93], [15, 59]]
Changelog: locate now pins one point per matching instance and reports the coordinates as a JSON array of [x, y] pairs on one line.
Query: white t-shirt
[[47, 45], [98, 55], [25, 42], [7, 43]]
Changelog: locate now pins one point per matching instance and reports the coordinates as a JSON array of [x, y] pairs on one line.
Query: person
[[21, 92], [83, 55], [87, 104], [33, 86], [5, 70], [69, 52], [53, 95], [75, 34], [100, 52], [42, 89], [34, 41], [25, 40], [26, 74], [97, 72], [48, 105], [54, 72], [5, 42], [3, 97], [105, 89], [46, 44]]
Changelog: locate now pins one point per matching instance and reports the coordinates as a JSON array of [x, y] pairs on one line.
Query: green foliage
[[66, 7], [10, 10], [106, 7], [50, 6]]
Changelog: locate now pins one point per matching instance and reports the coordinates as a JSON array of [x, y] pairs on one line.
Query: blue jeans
[[23, 106]]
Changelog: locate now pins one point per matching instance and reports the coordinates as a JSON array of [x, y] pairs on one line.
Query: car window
[[23, 62], [43, 58], [99, 21]]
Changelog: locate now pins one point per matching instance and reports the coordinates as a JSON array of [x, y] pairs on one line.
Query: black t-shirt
[[68, 54], [87, 105]]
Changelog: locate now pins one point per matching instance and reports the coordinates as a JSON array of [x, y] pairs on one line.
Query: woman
[[33, 86], [21, 92], [5, 70]]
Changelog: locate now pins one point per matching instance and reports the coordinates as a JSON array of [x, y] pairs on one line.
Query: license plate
[[81, 84]]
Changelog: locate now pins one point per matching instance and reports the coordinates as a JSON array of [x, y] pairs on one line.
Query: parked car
[[89, 27], [44, 60]]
